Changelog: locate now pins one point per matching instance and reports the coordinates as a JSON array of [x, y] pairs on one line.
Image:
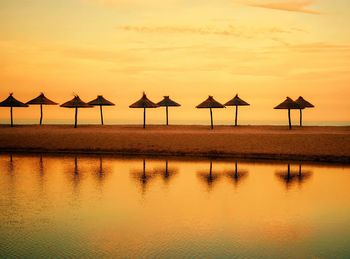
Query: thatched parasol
[[167, 102], [303, 104], [101, 101], [288, 104], [210, 103], [236, 101], [76, 103], [12, 102], [144, 103], [41, 100]]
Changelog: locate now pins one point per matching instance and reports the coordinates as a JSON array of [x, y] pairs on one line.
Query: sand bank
[[327, 144]]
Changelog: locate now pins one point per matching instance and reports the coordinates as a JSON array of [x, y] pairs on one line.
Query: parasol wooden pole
[[101, 112], [166, 111], [301, 117], [211, 118], [76, 117], [144, 117], [41, 114], [236, 115], [289, 120], [11, 116]]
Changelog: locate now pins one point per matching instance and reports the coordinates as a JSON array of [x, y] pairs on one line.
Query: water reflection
[[209, 178], [237, 175], [256, 220], [41, 173], [101, 171], [289, 177], [10, 165], [73, 173], [166, 172], [142, 177], [41, 166]]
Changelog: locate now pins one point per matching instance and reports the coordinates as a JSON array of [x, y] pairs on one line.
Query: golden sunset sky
[[262, 50]]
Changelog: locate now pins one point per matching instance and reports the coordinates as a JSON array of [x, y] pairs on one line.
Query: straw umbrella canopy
[[41, 100], [167, 102], [303, 104], [12, 102], [76, 103], [210, 103], [236, 101], [288, 104], [101, 101], [144, 103]]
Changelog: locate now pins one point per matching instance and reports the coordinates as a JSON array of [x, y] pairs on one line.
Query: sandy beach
[[326, 144]]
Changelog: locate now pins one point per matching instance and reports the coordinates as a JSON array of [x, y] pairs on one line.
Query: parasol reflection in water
[[290, 177], [55, 206], [166, 173], [142, 176], [237, 175], [209, 178]]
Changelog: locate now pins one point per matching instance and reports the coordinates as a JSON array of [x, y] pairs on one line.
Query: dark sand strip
[[324, 144]]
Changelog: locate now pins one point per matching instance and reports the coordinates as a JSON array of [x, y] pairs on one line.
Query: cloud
[[317, 47], [229, 30], [300, 6], [129, 3], [96, 54]]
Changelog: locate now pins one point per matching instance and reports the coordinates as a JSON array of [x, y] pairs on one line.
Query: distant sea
[[174, 122]]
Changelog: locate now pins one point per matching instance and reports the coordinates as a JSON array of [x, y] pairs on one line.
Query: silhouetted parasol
[[144, 103], [167, 102], [12, 102], [76, 103], [302, 105], [288, 104], [211, 104], [101, 101], [236, 101], [41, 100]]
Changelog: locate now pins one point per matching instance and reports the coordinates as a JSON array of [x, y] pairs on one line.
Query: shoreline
[[328, 144], [246, 157]]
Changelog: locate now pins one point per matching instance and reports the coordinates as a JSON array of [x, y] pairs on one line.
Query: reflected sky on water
[[105, 206]]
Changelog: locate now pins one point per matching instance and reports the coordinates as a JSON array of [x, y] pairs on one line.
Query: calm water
[[90, 206]]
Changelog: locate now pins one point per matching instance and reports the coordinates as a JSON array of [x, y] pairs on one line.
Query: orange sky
[[263, 50]]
